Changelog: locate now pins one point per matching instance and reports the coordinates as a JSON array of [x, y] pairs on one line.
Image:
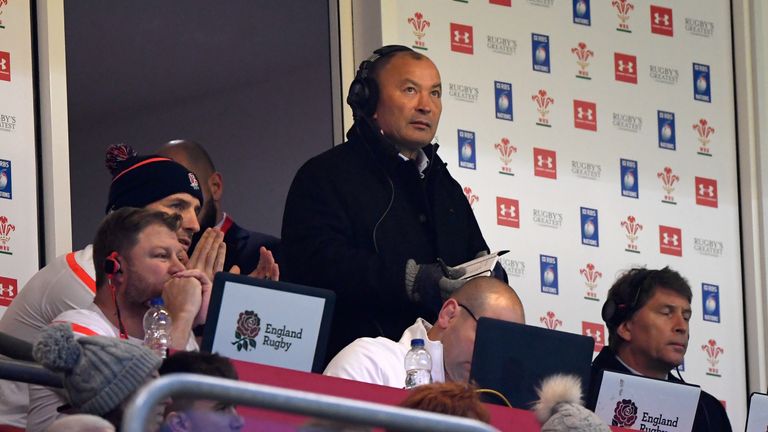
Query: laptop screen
[[268, 322], [513, 359], [757, 418]]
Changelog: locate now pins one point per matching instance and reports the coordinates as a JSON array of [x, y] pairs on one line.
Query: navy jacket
[[710, 414], [353, 217], [243, 247]]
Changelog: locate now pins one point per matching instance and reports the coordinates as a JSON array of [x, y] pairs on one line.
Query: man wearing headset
[[647, 313], [378, 219], [136, 257], [67, 282]]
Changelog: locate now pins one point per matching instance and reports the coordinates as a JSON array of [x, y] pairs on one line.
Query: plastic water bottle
[[157, 327], [418, 365]]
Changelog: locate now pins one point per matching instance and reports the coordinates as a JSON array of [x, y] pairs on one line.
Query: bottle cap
[[157, 301], [417, 342]]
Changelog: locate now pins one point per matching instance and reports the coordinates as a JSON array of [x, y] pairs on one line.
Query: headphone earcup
[[357, 96], [372, 99], [609, 311]]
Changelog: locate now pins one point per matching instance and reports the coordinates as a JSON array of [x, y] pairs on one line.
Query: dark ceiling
[[249, 79]]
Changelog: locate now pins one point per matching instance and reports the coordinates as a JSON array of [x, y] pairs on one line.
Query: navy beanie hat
[[141, 180]]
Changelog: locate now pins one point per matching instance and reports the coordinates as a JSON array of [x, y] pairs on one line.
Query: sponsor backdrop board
[[19, 258], [592, 136]]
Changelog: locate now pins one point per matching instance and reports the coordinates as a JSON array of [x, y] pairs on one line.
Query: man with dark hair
[[378, 219], [647, 313], [67, 282], [190, 415], [139, 252], [141, 262], [245, 249]]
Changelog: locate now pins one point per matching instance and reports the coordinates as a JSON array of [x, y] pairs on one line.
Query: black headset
[[363, 95], [615, 312]]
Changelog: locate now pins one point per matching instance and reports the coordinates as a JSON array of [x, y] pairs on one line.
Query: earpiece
[[363, 95], [111, 268], [111, 264]]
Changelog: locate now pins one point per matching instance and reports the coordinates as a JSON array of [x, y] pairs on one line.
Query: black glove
[[423, 282]]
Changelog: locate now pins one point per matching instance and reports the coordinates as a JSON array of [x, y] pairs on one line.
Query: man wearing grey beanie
[[99, 373]]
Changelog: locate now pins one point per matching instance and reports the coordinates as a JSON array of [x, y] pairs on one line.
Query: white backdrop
[[18, 180], [592, 137]]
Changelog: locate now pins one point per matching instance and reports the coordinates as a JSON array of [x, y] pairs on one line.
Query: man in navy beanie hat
[[67, 283]]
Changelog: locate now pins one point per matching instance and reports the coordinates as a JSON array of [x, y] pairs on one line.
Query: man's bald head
[[456, 323], [190, 154], [488, 296]]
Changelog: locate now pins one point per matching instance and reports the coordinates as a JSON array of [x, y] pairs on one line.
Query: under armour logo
[[503, 210], [597, 336], [629, 66], [3, 65], [581, 113], [541, 161], [659, 19], [458, 36], [670, 239], [7, 290], [707, 190]]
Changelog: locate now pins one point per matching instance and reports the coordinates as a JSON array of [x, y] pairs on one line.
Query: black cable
[[371, 135]]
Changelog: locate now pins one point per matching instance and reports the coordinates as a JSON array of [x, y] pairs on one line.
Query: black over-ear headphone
[[363, 95], [111, 264], [615, 312]]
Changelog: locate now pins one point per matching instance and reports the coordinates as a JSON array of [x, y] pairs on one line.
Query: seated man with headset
[[647, 314], [378, 219]]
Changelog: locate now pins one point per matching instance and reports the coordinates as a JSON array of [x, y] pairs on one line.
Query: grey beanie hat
[[99, 372], [559, 408]]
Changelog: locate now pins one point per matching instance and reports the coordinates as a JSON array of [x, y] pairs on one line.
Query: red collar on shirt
[[226, 224]]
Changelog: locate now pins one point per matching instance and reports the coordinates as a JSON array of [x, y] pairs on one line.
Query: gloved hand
[[423, 282]]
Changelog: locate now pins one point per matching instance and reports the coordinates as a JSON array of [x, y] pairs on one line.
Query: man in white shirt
[[450, 341], [67, 282], [136, 257]]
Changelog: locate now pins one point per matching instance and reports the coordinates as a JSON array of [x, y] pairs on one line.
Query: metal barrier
[[193, 386], [15, 348], [32, 373]]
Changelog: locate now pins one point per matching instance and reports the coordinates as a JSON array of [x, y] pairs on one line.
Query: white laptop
[[268, 322], [641, 403]]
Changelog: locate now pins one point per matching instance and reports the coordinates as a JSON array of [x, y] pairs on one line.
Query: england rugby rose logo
[[248, 327], [625, 413]]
